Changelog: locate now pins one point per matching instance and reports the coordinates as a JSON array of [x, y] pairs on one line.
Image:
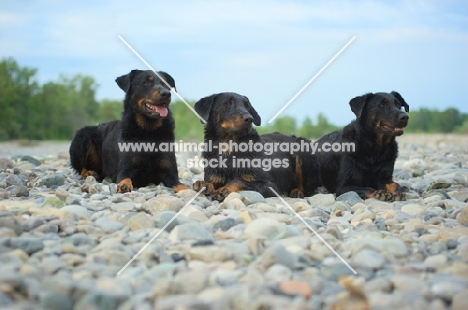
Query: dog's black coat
[[146, 119], [229, 117], [368, 170]]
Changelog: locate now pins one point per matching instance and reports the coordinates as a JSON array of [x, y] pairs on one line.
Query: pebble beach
[[64, 241]]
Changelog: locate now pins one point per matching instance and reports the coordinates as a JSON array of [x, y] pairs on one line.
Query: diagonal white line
[[312, 79], [160, 231], [161, 78], [313, 230]]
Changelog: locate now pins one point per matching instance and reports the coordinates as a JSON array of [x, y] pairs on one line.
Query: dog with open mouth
[[368, 169], [146, 119]]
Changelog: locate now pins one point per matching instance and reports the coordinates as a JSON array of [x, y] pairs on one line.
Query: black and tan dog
[[146, 119], [229, 119], [369, 168]]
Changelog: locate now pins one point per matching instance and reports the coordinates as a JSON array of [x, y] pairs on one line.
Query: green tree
[[448, 120], [431, 121], [110, 110], [17, 88], [188, 125], [285, 124], [307, 128], [81, 106]]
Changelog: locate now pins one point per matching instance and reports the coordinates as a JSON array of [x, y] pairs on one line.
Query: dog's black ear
[[169, 79], [402, 101], [203, 107], [256, 118], [357, 104], [124, 81]]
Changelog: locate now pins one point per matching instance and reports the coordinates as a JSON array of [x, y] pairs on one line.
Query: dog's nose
[[248, 119], [165, 94], [403, 117]]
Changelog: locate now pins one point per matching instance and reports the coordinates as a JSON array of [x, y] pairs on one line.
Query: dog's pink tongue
[[161, 110]]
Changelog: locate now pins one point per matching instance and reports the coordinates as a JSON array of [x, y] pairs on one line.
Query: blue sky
[[266, 50]]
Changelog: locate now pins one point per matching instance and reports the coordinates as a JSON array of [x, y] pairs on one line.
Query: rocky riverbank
[[63, 240]]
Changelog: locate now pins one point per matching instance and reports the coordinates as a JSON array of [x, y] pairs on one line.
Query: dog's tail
[[85, 151]]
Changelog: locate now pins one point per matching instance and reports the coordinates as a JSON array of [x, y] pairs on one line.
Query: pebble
[[27, 244], [462, 217], [139, 221], [350, 198], [253, 197], [321, 200], [164, 203], [54, 181], [367, 258], [277, 254], [18, 191], [79, 212], [412, 209], [190, 231], [278, 273], [437, 261], [266, 228], [363, 215], [224, 224], [294, 287], [460, 300]]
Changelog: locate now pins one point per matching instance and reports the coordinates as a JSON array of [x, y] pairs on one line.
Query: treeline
[[52, 111], [434, 121], [55, 110]]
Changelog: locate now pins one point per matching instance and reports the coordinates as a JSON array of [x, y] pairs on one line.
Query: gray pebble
[[30, 160], [54, 181], [351, 198], [224, 224], [277, 254], [253, 197], [18, 191], [27, 244]]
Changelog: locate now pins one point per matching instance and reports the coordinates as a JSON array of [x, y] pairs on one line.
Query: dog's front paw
[[125, 186], [399, 197], [198, 185], [89, 173], [297, 193], [180, 187], [209, 187], [221, 193], [384, 195]]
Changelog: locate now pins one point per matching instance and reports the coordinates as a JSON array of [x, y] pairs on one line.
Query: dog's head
[[229, 113], [147, 93], [381, 112]]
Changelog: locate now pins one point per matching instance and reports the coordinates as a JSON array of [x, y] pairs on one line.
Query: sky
[[265, 50]]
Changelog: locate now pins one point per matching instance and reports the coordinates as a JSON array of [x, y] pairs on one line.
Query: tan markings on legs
[[180, 187], [298, 179], [125, 186], [393, 188]]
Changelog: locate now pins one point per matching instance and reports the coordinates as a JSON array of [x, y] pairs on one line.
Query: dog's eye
[[147, 82]]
